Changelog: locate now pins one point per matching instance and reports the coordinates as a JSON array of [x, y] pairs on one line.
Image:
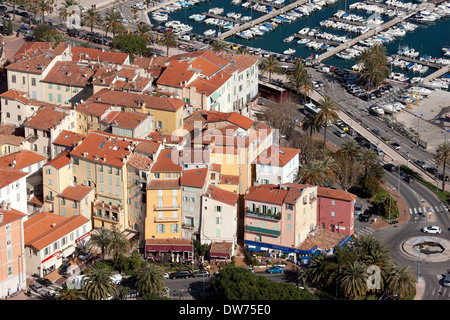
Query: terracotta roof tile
[[166, 162], [77, 192], [164, 184], [69, 73], [11, 215], [335, 194], [194, 177], [45, 118], [94, 108], [9, 175], [90, 54], [277, 156], [266, 193], [23, 159], [227, 197], [122, 119], [62, 160], [68, 138]]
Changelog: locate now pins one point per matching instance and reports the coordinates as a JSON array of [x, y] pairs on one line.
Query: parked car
[[396, 146], [64, 268], [340, 133], [36, 287], [434, 171], [365, 216], [202, 273], [181, 274], [408, 179], [432, 230], [116, 278], [44, 281], [275, 269], [358, 209], [421, 163], [84, 255], [446, 281], [389, 167]]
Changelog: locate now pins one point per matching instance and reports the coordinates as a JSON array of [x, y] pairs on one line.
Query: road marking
[[410, 211], [415, 210], [420, 210]]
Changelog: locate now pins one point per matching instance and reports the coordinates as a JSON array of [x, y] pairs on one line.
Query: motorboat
[[304, 31], [416, 80], [289, 51], [288, 39], [209, 33], [420, 90], [303, 41], [216, 11]]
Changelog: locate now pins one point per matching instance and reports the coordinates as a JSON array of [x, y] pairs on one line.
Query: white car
[[432, 229]]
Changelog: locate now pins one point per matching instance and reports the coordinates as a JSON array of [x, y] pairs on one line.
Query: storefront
[[176, 250]]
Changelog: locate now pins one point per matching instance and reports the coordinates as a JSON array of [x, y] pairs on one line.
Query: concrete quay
[[261, 19]]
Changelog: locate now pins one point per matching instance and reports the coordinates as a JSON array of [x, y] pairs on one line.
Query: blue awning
[[275, 247], [344, 241]]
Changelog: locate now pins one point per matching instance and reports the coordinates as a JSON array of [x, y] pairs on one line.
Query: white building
[[13, 188], [49, 239], [219, 216], [277, 165]]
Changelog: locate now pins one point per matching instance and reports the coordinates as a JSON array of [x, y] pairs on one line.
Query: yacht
[[303, 41], [288, 39], [289, 51], [216, 11], [304, 31], [209, 33]]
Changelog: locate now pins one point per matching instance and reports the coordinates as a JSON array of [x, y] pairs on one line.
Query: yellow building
[[167, 112], [76, 200], [164, 218], [89, 114]]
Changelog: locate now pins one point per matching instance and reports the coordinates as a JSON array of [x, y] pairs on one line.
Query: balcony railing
[[167, 219], [112, 218], [265, 215], [263, 230], [158, 208], [187, 226]]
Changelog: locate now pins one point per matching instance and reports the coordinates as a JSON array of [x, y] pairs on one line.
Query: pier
[[259, 20], [330, 42], [443, 70], [409, 59], [224, 18], [267, 4], [369, 34], [355, 23]]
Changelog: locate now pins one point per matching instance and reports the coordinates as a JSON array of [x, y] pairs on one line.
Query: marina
[[338, 30]]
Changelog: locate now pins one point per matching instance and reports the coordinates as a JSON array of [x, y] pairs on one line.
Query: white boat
[[289, 51], [303, 41], [422, 91], [215, 11], [288, 39], [304, 31], [378, 110], [416, 80], [209, 32], [246, 18]]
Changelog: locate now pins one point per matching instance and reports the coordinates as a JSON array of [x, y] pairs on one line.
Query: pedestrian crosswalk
[[421, 210], [440, 291], [365, 231], [45, 294]]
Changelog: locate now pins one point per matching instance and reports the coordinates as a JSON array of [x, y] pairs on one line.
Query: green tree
[[442, 156], [370, 186], [150, 279], [353, 280], [313, 173], [367, 157], [91, 18], [218, 46], [401, 282], [309, 124], [66, 293], [132, 44], [52, 36], [118, 245], [44, 6], [328, 114], [168, 40], [98, 285], [113, 22], [10, 28], [269, 66], [100, 239], [67, 9], [375, 66]]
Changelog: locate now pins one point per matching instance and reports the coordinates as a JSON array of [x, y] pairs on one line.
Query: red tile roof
[[68, 138], [45, 119], [266, 193], [9, 175], [140, 162], [103, 149], [69, 73], [277, 156], [94, 108], [134, 100], [232, 117], [23, 159], [30, 48], [77, 192], [194, 177], [62, 160], [335, 194], [166, 162], [224, 196], [127, 120], [90, 54], [44, 228], [10, 215], [164, 184]]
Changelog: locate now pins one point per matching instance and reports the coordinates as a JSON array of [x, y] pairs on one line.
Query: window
[[217, 208], [13, 79], [218, 220], [33, 82], [50, 97], [332, 213]]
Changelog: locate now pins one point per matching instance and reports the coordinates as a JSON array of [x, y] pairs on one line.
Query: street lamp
[[418, 268], [418, 125]]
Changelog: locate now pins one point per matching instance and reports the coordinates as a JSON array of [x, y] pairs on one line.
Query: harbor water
[[427, 39]]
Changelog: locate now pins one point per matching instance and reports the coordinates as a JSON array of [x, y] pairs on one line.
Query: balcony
[[171, 208], [264, 215], [49, 198], [106, 206], [167, 218], [189, 226], [106, 217], [270, 232]]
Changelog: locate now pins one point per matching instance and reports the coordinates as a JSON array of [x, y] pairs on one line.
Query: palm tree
[[66, 293], [118, 245], [91, 18], [375, 66], [309, 124], [329, 166], [44, 6], [168, 40], [150, 279], [100, 239], [66, 10], [97, 284], [353, 279], [313, 173], [218, 46], [350, 149], [442, 156], [144, 31], [327, 114], [269, 66], [401, 282], [366, 157], [317, 269], [113, 22], [242, 50]]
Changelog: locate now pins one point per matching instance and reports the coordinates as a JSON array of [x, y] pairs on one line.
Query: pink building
[[336, 210], [12, 260]]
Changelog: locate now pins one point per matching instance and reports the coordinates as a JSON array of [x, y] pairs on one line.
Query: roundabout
[[427, 248]]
